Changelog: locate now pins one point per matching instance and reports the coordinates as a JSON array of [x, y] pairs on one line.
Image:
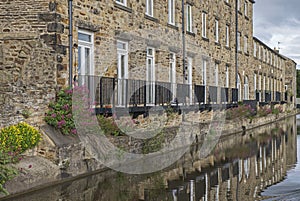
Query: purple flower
[[65, 107], [74, 131], [53, 115], [61, 123]]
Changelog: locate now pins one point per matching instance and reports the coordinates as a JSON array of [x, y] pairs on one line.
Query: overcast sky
[[279, 21]]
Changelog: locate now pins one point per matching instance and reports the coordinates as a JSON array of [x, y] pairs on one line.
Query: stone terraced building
[[148, 50]]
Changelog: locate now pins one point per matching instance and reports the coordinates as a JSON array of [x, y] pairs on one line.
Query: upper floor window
[[204, 24], [149, 7], [172, 12], [227, 36], [246, 44], [122, 2], [239, 41], [239, 5], [246, 8], [254, 49], [216, 30], [189, 18]]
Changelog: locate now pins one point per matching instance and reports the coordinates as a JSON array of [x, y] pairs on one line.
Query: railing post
[[100, 93], [114, 85], [126, 92]]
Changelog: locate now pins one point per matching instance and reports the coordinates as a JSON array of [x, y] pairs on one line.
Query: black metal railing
[[235, 96], [199, 91], [224, 95], [278, 96], [267, 96], [213, 94], [108, 92]]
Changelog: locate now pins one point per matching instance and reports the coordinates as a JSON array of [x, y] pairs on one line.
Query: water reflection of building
[[242, 178], [240, 170]]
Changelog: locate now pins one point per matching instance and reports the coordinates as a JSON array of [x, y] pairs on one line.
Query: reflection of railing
[[213, 94], [278, 96], [267, 96], [234, 95], [107, 92]]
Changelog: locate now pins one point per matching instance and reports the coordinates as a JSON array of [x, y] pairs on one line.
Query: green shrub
[[15, 140], [18, 138], [60, 113], [109, 126]]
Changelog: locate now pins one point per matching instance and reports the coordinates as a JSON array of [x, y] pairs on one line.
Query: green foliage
[[60, 113], [15, 140], [240, 112], [18, 138], [264, 111], [154, 144], [109, 126]]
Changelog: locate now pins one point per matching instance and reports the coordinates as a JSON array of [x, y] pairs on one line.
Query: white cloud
[[279, 21]]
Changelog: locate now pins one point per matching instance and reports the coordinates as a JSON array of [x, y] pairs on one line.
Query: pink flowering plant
[[60, 115], [240, 112]]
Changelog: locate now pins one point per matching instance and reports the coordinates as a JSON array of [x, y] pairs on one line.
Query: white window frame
[[246, 8], [216, 30], [89, 45], [190, 78], [239, 5], [150, 95], [227, 77], [204, 30], [239, 41], [246, 44], [204, 77], [86, 69], [171, 13], [246, 88], [239, 86], [122, 2], [227, 30], [216, 74], [189, 18], [172, 73], [254, 82], [122, 79], [149, 8], [254, 48]]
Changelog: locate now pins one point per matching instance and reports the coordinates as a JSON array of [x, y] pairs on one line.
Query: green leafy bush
[[60, 113], [109, 126], [18, 138]]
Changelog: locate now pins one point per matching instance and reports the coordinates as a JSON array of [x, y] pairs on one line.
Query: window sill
[[148, 17], [190, 33], [218, 44], [247, 53], [173, 26], [227, 47], [227, 4], [205, 39], [122, 7]]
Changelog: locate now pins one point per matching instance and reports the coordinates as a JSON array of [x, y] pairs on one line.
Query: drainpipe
[[183, 41], [70, 43], [236, 43]]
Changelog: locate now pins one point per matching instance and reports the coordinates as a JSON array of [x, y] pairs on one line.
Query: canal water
[[260, 164]]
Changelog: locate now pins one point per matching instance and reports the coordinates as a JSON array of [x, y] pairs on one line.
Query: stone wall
[[34, 42], [29, 59]]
